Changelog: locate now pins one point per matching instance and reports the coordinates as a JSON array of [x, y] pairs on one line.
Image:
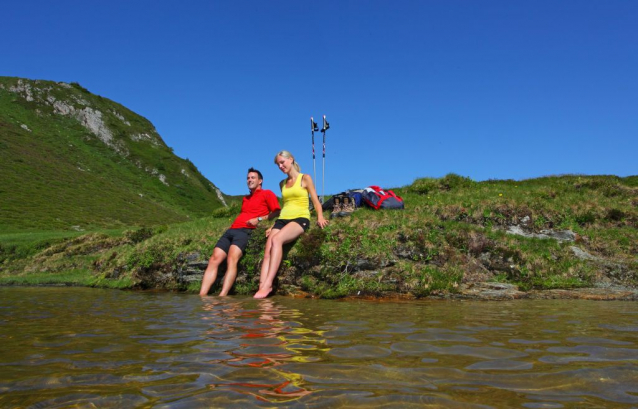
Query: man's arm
[[273, 205], [272, 215]]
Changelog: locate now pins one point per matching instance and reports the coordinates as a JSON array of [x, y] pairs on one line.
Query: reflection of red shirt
[[259, 203]]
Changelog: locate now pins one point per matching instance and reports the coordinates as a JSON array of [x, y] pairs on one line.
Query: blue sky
[[485, 89]]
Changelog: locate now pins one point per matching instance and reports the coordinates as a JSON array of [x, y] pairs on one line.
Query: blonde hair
[[288, 155]]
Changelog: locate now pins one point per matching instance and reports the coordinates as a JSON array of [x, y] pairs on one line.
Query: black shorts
[[237, 237], [302, 221]]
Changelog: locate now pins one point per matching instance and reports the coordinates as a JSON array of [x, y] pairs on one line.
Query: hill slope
[[71, 159], [490, 240]]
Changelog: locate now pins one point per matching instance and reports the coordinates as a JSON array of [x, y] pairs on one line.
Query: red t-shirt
[[260, 203]]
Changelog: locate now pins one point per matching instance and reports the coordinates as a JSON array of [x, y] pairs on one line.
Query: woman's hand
[[321, 222], [268, 232]]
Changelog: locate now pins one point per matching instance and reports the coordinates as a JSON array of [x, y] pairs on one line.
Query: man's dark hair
[[253, 170]]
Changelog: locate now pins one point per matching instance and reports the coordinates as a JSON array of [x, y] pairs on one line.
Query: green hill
[[70, 159], [551, 237]]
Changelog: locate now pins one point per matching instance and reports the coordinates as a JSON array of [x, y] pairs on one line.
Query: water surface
[[78, 347]]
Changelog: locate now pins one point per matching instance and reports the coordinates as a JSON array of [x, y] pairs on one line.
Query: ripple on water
[[414, 348], [614, 384], [219, 398], [533, 341], [479, 328], [501, 365], [338, 341], [175, 390], [358, 399], [400, 330], [85, 400], [201, 357], [358, 375], [261, 341], [593, 354], [171, 341], [249, 354], [360, 352], [592, 340], [437, 334], [349, 323], [621, 328], [401, 324], [264, 351], [542, 405]]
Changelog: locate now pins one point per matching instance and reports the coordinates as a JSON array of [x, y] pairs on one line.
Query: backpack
[[377, 198], [354, 194]]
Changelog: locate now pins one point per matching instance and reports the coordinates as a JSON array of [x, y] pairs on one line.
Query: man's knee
[[234, 255], [216, 259]]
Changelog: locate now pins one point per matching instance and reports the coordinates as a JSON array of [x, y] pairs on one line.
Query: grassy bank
[[452, 234]]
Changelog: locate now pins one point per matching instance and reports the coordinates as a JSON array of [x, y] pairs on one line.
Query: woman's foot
[[263, 293]]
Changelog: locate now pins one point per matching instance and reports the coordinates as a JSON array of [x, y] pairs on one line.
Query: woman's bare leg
[[287, 234], [266, 261]]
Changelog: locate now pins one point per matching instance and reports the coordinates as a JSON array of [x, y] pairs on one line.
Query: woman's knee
[[268, 243], [277, 241]]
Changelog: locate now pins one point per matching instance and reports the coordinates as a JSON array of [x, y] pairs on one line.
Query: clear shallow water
[[77, 347]]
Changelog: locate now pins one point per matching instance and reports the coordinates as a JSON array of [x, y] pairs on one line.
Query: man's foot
[[263, 293]]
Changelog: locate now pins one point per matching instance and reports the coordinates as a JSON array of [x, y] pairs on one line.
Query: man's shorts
[[237, 237], [302, 221]]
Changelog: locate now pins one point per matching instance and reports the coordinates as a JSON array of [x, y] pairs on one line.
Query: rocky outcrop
[[90, 118], [524, 229], [561, 235], [192, 269], [219, 194]]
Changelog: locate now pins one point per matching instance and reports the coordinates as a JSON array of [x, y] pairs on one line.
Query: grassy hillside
[[73, 160], [452, 235]]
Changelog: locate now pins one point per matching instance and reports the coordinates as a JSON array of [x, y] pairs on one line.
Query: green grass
[[81, 278], [56, 174], [451, 234]]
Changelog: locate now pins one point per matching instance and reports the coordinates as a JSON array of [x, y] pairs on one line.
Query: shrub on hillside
[[448, 182], [226, 211]]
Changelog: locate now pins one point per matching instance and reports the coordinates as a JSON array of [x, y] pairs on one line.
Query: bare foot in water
[[263, 293]]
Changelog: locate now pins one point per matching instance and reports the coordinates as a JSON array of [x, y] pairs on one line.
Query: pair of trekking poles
[[314, 128]]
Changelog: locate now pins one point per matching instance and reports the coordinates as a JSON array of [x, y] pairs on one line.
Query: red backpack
[[377, 198]]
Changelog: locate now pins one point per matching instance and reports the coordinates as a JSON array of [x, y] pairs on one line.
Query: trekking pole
[[313, 129], [326, 126]]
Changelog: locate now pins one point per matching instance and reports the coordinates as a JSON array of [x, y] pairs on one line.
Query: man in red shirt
[[260, 204]]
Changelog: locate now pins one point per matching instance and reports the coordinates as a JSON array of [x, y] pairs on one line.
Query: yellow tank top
[[296, 201]]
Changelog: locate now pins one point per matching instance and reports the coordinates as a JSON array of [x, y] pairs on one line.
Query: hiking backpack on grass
[[377, 198]]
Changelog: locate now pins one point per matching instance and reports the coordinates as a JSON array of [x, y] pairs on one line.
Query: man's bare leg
[[234, 254], [210, 275]]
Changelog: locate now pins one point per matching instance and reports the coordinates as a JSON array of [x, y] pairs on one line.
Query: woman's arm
[[310, 187]]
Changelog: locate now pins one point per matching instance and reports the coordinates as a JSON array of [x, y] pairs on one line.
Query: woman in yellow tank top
[[293, 221]]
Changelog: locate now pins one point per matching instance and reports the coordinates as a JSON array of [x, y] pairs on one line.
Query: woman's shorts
[[302, 221], [237, 237]]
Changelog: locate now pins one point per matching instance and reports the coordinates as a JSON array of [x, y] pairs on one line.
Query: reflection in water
[[267, 337], [69, 347]]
